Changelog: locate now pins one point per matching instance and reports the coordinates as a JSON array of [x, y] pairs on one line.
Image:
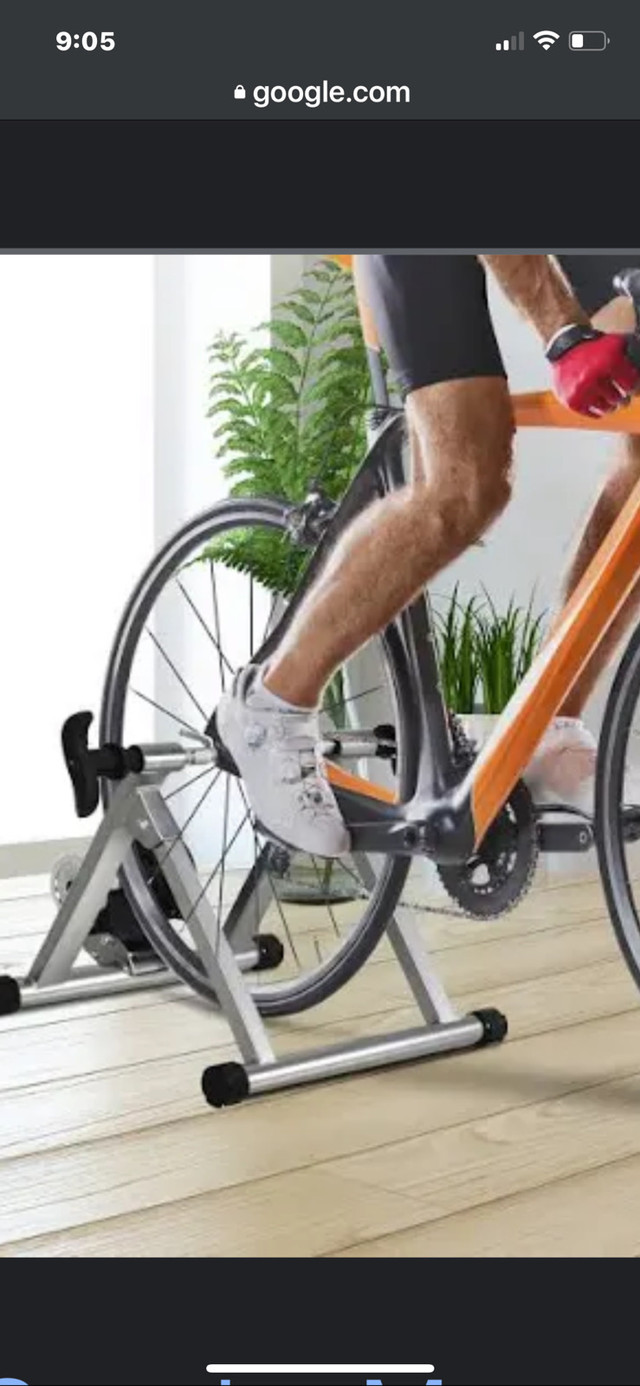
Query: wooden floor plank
[[589, 1215], [300, 1214]]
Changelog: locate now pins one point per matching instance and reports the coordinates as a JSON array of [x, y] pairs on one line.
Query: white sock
[[273, 700]]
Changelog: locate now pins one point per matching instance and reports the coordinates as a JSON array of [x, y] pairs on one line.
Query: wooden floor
[[529, 1149]]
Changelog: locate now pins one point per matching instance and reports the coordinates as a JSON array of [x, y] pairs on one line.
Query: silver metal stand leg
[[206, 929], [251, 904], [444, 1031]]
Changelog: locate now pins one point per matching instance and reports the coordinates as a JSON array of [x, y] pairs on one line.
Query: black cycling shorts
[[432, 316]]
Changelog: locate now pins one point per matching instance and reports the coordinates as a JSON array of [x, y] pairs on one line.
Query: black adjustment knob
[[86, 767], [80, 764]]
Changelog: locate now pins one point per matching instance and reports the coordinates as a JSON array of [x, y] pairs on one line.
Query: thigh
[[431, 316], [461, 435]]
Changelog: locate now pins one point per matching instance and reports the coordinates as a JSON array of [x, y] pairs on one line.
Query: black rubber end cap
[[9, 996], [494, 1024], [270, 951], [225, 1084]]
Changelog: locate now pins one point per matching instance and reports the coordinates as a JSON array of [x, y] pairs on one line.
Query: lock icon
[[240, 92]]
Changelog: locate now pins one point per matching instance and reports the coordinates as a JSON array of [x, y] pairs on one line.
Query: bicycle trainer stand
[[138, 814]]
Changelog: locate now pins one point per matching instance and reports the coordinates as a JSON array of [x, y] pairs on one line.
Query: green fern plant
[[289, 412]]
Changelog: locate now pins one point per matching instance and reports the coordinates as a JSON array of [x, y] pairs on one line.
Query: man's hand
[[592, 371]]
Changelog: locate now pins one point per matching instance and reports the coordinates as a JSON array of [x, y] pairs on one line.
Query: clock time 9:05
[[106, 40]]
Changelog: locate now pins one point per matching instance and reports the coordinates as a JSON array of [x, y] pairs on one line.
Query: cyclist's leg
[[591, 277], [432, 317]]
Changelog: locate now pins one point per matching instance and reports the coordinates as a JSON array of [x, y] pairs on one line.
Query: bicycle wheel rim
[[279, 997], [618, 757]]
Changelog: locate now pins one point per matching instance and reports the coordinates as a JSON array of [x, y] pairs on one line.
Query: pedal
[[225, 760], [631, 823], [566, 837], [387, 744]]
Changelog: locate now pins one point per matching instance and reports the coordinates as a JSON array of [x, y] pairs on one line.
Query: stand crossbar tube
[[335, 1061]]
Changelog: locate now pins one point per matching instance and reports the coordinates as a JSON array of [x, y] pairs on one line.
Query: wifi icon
[[546, 37]]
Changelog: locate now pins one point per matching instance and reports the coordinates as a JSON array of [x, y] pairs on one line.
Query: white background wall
[[76, 520], [105, 450]]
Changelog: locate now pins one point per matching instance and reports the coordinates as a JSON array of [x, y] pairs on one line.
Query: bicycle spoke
[[251, 618], [177, 674], [185, 825], [216, 643], [182, 722], [353, 698], [255, 872], [323, 881], [275, 893], [216, 868], [223, 871], [187, 783], [216, 615], [355, 877]]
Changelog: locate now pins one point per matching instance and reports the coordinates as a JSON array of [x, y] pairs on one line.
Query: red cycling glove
[[593, 372]]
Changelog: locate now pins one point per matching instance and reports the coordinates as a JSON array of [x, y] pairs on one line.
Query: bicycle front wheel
[[198, 614], [617, 811]]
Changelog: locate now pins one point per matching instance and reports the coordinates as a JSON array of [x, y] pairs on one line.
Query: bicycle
[[471, 814]]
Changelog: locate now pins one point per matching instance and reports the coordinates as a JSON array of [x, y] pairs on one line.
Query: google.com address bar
[[323, 93]]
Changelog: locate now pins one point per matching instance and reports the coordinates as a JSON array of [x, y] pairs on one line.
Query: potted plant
[[484, 655], [288, 413]]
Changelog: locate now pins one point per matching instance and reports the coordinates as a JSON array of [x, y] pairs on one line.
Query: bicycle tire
[[290, 997], [609, 825]]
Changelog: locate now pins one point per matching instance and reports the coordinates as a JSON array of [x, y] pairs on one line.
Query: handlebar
[[627, 282]]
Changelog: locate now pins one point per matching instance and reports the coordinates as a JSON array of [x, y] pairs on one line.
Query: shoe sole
[[291, 847], [225, 759]]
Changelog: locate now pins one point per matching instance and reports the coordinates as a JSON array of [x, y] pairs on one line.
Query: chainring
[[500, 873]]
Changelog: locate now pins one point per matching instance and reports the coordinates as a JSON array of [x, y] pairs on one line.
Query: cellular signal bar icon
[[512, 44]]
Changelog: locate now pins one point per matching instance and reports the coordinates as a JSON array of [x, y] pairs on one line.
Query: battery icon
[[588, 40]]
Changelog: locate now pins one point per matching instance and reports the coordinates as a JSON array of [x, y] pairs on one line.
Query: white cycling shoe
[[563, 768], [275, 747]]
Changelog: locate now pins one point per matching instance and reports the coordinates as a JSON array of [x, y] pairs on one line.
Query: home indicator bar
[[386, 1375]]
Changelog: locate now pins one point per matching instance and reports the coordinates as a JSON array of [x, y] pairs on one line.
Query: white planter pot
[[478, 726]]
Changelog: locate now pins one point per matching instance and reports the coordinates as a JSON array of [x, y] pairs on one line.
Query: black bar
[[331, 1379]]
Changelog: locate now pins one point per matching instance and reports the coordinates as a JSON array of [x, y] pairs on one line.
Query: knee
[[494, 491], [466, 499], [467, 515], [462, 435]]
